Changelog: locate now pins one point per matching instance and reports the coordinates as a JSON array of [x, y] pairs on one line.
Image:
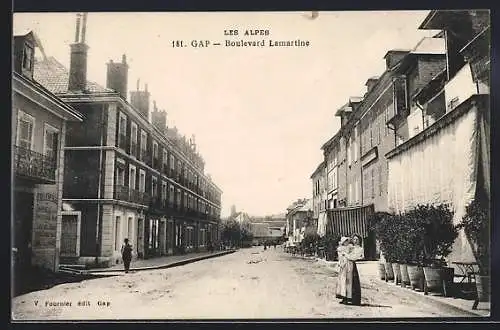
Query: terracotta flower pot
[[434, 278], [389, 274], [416, 275], [397, 273], [405, 278], [483, 288], [381, 271]]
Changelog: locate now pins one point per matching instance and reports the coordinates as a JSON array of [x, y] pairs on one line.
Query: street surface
[[250, 283]]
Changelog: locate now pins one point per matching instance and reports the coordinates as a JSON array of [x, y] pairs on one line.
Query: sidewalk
[[157, 263], [369, 272]]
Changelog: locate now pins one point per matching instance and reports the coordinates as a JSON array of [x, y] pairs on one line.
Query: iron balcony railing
[[34, 165], [131, 195]]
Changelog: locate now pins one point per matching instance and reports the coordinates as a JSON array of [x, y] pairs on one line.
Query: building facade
[[299, 215], [448, 161], [128, 176], [39, 123], [319, 181]]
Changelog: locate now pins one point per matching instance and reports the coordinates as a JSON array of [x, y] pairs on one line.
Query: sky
[[259, 115]]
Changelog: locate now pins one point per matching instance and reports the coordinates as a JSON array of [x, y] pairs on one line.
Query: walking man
[[126, 254]]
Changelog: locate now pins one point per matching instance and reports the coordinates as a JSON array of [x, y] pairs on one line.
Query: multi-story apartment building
[[39, 122], [448, 160], [298, 216], [319, 187], [127, 176]]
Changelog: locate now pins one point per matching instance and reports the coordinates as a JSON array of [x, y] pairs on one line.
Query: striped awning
[[348, 221]]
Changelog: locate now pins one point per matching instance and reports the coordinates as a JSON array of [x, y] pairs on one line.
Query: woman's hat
[[343, 240]]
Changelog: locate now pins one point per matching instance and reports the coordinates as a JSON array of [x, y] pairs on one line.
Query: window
[[51, 141], [185, 200], [25, 128], [132, 177], [120, 176], [165, 159], [155, 149], [133, 139], [122, 124], [142, 181], [154, 186], [172, 162], [164, 190], [117, 233], [171, 195], [144, 142], [28, 57]]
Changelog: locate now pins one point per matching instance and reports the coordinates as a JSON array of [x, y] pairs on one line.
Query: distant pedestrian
[[274, 245], [126, 254]]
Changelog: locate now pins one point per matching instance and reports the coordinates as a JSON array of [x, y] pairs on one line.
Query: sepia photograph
[[330, 165]]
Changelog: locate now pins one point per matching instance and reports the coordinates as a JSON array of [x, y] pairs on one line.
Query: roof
[[55, 77], [374, 78], [318, 168], [425, 47], [307, 206], [29, 33]]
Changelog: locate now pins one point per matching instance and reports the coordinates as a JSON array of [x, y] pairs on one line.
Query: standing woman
[[355, 253], [342, 249]]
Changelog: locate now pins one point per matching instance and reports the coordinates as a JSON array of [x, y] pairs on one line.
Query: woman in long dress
[[342, 250], [348, 287]]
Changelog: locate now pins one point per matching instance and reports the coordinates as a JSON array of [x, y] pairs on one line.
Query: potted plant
[[330, 242], [476, 225], [413, 249], [381, 225], [376, 227], [439, 235]]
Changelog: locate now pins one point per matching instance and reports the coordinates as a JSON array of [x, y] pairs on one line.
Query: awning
[[350, 221]]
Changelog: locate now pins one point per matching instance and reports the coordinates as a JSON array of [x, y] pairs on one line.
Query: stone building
[[319, 200], [128, 176], [39, 123], [447, 161]]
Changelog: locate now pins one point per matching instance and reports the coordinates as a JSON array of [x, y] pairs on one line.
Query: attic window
[[27, 57]]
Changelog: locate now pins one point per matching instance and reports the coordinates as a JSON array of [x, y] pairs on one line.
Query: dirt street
[[251, 283]]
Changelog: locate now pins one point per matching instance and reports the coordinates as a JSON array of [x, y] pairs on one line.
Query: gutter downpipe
[[98, 222]]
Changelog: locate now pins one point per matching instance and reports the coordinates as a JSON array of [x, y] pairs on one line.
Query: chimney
[[392, 57], [370, 83], [117, 76], [140, 100], [78, 60], [159, 118]]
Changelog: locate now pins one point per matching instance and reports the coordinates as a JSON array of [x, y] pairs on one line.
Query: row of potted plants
[[414, 246]]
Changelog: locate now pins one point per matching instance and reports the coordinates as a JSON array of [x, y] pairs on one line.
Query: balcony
[[146, 157], [459, 88], [34, 166], [400, 105], [157, 203], [131, 195]]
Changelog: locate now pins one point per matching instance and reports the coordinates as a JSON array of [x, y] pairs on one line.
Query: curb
[[117, 272], [437, 299]]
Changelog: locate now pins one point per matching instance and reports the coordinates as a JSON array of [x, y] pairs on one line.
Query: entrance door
[[162, 237], [69, 235], [140, 237]]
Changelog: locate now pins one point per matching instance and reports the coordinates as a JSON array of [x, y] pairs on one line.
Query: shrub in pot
[[476, 225], [384, 232], [438, 237], [330, 242], [412, 247]]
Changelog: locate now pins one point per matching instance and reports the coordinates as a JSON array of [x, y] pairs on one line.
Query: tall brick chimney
[[392, 57], [159, 118], [78, 60], [117, 76], [140, 100]]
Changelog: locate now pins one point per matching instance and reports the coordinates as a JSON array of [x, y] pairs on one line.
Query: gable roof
[[54, 76]]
